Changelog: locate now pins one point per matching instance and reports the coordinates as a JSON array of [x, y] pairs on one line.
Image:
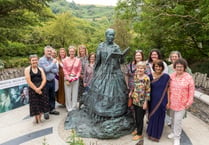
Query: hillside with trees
[[90, 12], [27, 26]]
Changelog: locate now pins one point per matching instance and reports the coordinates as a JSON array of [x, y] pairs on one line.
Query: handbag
[[130, 102]]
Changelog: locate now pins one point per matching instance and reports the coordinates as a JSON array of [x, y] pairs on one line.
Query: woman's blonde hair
[[59, 57], [82, 47], [141, 64], [72, 47]]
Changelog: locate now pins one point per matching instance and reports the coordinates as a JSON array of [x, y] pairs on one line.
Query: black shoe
[[54, 112], [46, 116]]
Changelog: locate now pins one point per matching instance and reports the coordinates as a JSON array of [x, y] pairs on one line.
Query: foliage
[[73, 139], [201, 66], [17, 19], [123, 35], [169, 25], [1, 64], [17, 15], [11, 62], [90, 12], [67, 30]]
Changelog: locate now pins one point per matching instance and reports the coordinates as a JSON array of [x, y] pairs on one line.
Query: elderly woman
[[181, 93], [36, 79], [72, 71], [175, 55], [158, 101], [141, 95]]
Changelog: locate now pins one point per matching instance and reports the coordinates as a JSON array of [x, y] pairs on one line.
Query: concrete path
[[17, 127]]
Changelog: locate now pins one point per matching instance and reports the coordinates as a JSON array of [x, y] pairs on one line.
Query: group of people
[[56, 78], [155, 88]]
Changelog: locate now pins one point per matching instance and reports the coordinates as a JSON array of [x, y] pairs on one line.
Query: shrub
[[73, 139]]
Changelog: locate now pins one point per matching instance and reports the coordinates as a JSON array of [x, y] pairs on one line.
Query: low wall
[[201, 80], [200, 109], [6, 74]]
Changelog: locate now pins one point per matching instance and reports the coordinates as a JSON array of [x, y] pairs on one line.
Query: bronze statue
[[107, 96], [105, 113]]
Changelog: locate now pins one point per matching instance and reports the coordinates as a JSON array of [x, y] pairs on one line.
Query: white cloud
[[96, 2]]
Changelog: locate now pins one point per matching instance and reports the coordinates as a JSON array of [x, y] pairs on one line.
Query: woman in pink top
[[72, 71], [181, 93]]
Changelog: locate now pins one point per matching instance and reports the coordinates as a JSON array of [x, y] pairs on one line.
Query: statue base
[[91, 126]]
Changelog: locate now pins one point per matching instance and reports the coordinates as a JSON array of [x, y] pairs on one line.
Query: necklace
[[35, 70]]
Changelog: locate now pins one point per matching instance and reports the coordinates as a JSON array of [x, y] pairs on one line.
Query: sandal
[[137, 137], [134, 132]]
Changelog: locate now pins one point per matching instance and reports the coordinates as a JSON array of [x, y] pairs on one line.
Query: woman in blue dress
[[158, 101]]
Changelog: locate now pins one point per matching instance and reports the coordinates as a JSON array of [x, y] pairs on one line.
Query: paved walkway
[[17, 127]]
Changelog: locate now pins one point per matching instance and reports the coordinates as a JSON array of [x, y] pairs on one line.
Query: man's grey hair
[[47, 47]]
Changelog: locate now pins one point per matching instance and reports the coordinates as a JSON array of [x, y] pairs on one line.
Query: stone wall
[[6, 74], [201, 80], [200, 109]]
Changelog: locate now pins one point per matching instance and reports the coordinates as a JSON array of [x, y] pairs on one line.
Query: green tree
[[67, 30], [169, 25], [123, 35], [17, 15]]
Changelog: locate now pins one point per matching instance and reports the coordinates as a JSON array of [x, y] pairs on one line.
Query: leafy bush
[[73, 139], [201, 66], [11, 62]]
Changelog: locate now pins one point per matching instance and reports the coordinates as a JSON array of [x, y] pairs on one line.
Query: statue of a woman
[[107, 96], [104, 114]]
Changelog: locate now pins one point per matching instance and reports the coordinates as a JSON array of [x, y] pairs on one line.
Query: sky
[[96, 2]]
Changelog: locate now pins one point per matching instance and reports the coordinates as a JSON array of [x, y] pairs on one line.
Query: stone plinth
[[103, 128]]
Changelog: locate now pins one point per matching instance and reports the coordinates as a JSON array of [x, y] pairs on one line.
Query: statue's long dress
[[107, 96]]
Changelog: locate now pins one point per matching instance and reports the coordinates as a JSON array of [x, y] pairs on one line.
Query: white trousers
[[71, 95], [177, 117]]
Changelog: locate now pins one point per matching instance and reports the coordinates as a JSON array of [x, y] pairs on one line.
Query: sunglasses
[[138, 51], [33, 55]]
